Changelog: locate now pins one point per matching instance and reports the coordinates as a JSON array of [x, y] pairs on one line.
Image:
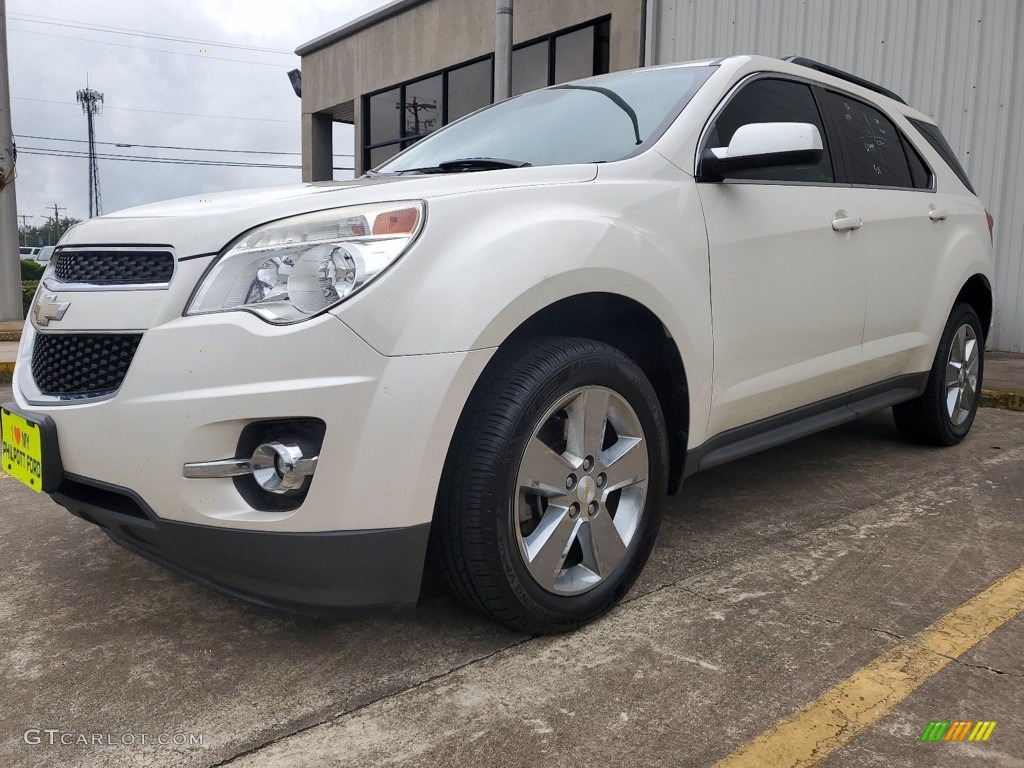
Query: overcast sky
[[138, 82]]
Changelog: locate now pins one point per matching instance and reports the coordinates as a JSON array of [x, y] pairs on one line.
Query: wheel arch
[[977, 292], [629, 326]]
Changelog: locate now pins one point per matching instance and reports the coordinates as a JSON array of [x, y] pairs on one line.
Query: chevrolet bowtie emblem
[[47, 308]]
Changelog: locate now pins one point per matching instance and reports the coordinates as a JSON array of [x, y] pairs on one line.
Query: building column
[[317, 147]]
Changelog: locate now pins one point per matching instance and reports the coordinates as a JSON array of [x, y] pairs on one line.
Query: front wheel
[[944, 413], [550, 502]]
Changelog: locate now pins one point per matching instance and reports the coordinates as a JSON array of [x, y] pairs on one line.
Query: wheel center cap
[[586, 489]]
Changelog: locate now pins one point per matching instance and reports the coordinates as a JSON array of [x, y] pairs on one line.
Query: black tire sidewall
[[603, 367], [962, 314]]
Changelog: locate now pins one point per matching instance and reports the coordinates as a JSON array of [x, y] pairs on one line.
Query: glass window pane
[[384, 117], [422, 107], [940, 145], [871, 143], [773, 101], [469, 88], [616, 117], [574, 55], [380, 154], [530, 68], [602, 36], [918, 170]]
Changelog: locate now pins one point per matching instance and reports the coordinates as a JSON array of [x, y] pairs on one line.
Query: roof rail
[[826, 69]]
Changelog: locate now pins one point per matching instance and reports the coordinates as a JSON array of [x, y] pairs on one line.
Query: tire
[[944, 413], [505, 492]]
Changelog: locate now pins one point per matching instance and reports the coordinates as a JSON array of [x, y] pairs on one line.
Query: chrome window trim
[[772, 75]]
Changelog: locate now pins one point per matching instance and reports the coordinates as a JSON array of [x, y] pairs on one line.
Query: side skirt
[[800, 422]]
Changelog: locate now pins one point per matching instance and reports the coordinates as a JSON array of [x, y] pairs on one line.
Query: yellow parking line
[[873, 691]]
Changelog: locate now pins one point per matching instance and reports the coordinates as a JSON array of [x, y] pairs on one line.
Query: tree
[[48, 234]]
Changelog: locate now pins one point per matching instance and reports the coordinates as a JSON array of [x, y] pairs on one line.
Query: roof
[[393, 8]]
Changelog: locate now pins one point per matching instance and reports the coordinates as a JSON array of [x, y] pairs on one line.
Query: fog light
[[280, 467], [275, 466]]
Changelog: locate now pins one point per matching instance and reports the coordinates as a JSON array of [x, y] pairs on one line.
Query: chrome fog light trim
[[281, 467], [276, 467]]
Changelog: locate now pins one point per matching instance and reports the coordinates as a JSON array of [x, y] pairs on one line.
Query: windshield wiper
[[465, 164]]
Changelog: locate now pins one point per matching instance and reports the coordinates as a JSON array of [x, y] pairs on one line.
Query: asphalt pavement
[[775, 579]]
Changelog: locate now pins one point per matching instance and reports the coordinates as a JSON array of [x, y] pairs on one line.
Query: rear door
[[787, 290], [904, 233]]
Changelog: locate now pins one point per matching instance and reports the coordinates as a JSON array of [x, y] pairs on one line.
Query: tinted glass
[[380, 154], [469, 88], [940, 145], [422, 109], [919, 172], [772, 101], [602, 42], [385, 118], [530, 68], [574, 55], [871, 143], [588, 121]]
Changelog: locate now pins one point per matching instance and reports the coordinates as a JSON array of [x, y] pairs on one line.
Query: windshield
[[588, 121]]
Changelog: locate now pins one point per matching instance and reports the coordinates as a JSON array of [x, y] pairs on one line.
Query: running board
[[803, 421]]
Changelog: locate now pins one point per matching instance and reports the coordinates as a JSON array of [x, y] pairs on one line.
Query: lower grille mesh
[[82, 363]]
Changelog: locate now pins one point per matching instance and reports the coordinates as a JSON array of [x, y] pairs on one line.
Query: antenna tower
[[92, 105]]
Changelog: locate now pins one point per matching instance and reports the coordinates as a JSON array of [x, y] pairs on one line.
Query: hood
[[205, 223]]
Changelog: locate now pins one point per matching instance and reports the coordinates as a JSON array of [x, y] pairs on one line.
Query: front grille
[[82, 363], [104, 267]]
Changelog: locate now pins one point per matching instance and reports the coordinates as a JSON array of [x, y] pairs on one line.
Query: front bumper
[[359, 536], [331, 569]]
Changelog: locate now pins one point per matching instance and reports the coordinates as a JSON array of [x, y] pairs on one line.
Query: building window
[[561, 56], [469, 88], [402, 115]]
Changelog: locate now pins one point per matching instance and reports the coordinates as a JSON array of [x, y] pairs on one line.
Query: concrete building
[[414, 65]]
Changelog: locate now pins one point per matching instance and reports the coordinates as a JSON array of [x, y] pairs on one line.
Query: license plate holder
[[29, 448]]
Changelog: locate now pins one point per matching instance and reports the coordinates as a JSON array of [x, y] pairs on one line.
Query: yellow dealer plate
[[22, 450]]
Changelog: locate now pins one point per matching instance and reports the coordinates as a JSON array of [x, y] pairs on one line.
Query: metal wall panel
[[961, 61]]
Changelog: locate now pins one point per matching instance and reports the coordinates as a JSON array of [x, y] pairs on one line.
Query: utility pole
[[11, 314], [54, 233], [503, 50], [414, 108], [24, 225], [92, 105]]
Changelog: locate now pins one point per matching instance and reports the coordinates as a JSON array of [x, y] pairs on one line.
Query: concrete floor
[[775, 578]]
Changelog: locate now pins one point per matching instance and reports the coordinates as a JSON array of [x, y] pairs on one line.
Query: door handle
[[846, 223], [937, 214]]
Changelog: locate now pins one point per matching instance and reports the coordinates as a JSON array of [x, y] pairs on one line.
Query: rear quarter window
[[934, 136]]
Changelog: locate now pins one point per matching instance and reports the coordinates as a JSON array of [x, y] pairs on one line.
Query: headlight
[[297, 267]]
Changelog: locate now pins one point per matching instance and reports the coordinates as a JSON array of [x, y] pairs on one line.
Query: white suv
[[501, 349]]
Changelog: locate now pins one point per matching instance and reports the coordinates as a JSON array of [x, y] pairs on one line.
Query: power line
[[147, 48], [161, 112], [126, 145], [161, 160], [73, 24]]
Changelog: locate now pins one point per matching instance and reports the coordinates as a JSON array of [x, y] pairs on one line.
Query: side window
[[939, 144], [773, 101], [919, 172], [871, 143]]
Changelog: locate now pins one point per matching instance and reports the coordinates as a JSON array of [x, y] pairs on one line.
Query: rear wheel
[[550, 502], [944, 413]]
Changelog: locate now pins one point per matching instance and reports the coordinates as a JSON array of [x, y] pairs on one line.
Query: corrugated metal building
[[961, 61]]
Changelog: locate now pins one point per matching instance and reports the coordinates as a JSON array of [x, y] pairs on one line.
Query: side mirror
[[761, 146]]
